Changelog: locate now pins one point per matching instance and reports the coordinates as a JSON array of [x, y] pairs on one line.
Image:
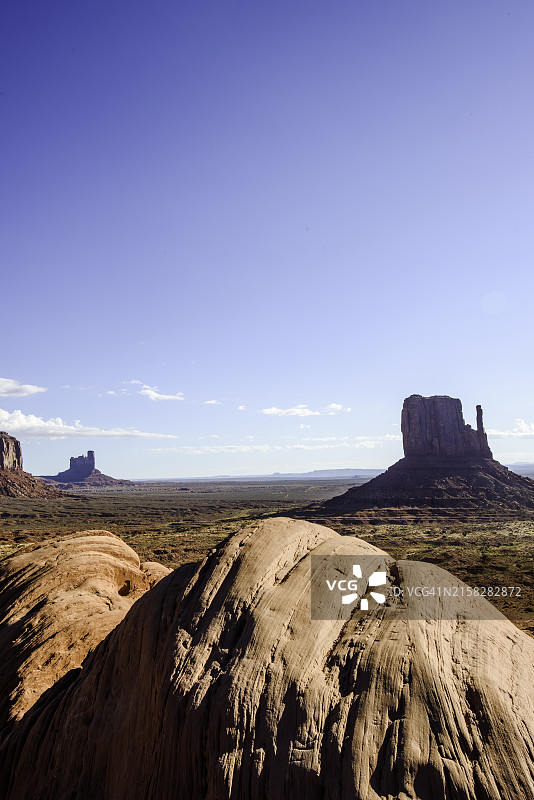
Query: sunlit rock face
[[14, 482], [10, 452], [58, 600], [219, 684]]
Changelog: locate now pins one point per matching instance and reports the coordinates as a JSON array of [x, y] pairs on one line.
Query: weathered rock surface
[[447, 465], [82, 471], [434, 426], [14, 482], [57, 602], [10, 452], [217, 684]]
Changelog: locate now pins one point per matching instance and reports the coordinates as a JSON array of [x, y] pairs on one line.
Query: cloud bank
[[523, 430], [325, 443], [33, 427]]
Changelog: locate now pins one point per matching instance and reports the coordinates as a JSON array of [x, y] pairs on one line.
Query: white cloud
[[368, 443], [152, 394], [241, 408], [297, 411], [216, 448], [152, 391], [11, 388], [31, 426], [212, 402], [523, 430], [302, 410], [309, 443], [325, 438]]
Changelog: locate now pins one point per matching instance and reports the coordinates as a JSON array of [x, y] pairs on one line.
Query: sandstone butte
[[447, 467], [82, 472], [14, 482], [218, 684]]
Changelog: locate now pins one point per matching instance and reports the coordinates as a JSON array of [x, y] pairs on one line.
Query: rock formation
[[80, 467], [82, 471], [447, 465], [218, 685], [435, 427], [10, 452], [14, 482], [57, 602]]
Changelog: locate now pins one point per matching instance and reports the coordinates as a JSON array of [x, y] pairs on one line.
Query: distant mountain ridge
[[317, 474]]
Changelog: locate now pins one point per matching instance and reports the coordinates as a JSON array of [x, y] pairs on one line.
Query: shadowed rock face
[[80, 467], [446, 465], [434, 426], [217, 684], [82, 471]]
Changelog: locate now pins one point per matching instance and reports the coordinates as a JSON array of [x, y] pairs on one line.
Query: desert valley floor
[[178, 523]]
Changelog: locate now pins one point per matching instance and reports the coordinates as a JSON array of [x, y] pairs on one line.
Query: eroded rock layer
[[10, 452], [467, 486], [22, 484], [14, 482], [218, 684], [57, 602], [434, 426]]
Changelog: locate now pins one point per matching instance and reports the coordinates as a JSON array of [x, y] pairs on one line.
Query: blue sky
[[236, 235]]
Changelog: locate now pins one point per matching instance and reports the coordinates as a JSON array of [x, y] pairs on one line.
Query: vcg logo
[[355, 587]]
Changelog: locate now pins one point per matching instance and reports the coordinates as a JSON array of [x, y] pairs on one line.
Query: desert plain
[[176, 523]]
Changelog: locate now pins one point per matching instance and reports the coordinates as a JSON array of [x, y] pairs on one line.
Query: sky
[[236, 235]]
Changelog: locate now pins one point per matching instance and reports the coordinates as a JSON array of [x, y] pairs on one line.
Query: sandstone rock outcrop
[[57, 602], [10, 452], [82, 471], [434, 426], [447, 465], [80, 467], [14, 482], [218, 684]]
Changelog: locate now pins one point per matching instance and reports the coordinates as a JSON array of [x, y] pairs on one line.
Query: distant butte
[[82, 472], [447, 468], [14, 482]]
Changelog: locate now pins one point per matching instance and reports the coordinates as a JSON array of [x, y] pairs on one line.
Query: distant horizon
[[272, 475]]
